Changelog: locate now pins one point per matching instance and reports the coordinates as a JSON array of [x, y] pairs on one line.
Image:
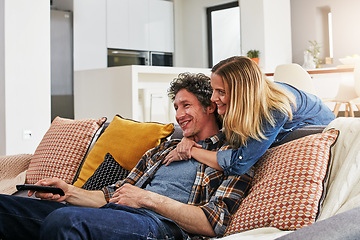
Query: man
[[156, 201]]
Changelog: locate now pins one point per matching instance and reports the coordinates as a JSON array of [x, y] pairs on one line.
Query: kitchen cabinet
[[117, 23], [138, 31], [161, 26], [140, 25], [136, 92]]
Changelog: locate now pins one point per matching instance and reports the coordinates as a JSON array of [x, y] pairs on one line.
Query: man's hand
[[131, 196], [190, 218], [182, 151], [73, 195], [55, 182]]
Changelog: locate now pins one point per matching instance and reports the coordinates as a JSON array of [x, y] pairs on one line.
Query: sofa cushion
[[126, 140], [62, 149], [109, 172], [341, 226], [287, 186]]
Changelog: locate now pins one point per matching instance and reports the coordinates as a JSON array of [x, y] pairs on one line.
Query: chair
[[356, 101], [348, 94], [296, 76]]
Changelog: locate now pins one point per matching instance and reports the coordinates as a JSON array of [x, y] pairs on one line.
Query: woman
[[256, 113]]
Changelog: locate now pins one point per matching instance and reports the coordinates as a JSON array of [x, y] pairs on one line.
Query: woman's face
[[221, 93]]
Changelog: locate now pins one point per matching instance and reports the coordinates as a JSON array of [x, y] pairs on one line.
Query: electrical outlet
[[27, 134]]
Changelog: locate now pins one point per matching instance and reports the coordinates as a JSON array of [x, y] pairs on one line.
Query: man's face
[[190, 115]]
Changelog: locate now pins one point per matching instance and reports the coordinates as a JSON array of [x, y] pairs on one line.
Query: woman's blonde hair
[[252, 99]]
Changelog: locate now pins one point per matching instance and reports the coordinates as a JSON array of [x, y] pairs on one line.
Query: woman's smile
[[220, 94]]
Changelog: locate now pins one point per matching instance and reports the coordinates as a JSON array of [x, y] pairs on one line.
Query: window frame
[[209, 10]]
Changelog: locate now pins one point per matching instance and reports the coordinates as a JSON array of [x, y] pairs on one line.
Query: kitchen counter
[[140, 92], [338, 69], [136, 92]]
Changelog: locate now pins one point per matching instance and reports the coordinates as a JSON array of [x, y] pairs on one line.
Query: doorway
[[62, 92]]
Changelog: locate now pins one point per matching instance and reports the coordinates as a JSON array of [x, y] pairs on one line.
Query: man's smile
[[184, 123]]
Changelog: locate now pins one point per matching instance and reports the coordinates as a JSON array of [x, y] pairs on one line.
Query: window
[[223, 23]]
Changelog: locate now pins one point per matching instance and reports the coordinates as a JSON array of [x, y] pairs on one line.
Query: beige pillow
[[288, 185]]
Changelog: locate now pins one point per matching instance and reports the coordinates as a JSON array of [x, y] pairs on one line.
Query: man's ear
[[211, 108]]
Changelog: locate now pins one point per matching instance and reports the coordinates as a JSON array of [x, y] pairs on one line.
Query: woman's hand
[[184, 148], [182, 151]]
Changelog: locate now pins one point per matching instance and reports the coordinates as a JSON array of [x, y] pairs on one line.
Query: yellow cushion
[[126, 140]]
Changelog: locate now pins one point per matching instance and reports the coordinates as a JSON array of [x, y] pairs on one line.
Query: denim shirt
[[310, 110]]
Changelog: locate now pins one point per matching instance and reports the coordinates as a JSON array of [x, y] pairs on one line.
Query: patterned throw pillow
[[62, 149], [126, 140], [109, 172], [287, 186]]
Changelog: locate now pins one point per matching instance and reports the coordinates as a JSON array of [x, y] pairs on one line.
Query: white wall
[[252, 26], [25, 74], [306, 26], [278, 45], [265, 25], [2, 79], [191, 32], [89, 33]]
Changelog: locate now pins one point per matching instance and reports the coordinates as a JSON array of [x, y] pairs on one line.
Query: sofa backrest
[[298, 133], [302, 132]]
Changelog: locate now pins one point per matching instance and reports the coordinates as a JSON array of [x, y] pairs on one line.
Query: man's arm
[[73, 195], [190, 218], [84, 198]]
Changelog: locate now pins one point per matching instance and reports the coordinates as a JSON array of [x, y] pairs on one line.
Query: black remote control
[[41, 188]]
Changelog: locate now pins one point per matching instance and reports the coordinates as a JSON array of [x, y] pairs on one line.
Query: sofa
[[337, 194]]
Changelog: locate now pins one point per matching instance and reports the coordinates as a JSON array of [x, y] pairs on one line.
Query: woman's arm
[[231, 161], [187, 149], [206, 157]]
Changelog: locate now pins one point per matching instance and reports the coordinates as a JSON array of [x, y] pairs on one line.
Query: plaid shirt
[[219, 196]]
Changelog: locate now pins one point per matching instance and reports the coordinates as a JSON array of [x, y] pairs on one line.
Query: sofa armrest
[[11, 166]]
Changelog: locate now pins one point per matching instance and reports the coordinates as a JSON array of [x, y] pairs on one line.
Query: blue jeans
[[24, 218]]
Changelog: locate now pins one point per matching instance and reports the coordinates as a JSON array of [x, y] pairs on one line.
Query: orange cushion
[[287, 186], [126, 140], [62, 149]]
